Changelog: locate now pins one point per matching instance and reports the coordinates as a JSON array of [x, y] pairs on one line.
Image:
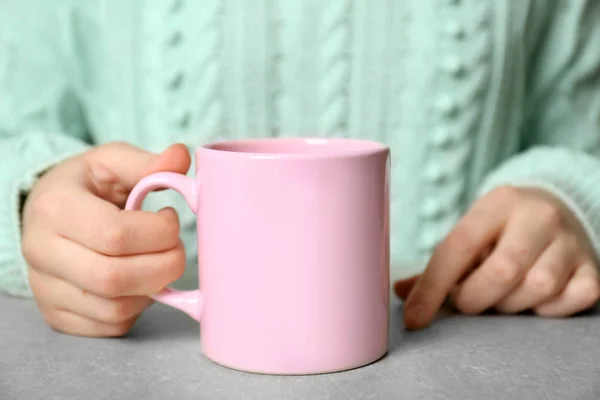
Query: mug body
[[293, 239]]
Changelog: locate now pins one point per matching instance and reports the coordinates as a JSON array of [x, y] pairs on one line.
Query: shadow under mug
[[293, 239]]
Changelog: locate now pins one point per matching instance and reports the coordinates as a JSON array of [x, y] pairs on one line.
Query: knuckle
[[35, 257], [35, 284], [113, 238], [45, 203], [505, 269], [53, 323], [543, 311], [120, 329], [99, 153], [462, 301], [29, 249], [106, 280], [112, 146], [465, 306], [571, 243], [549, 214], [118, 311], [468, 309], [505, 307], [52, 318], [543, 283], [459, 305], [462, 237], [589, 290], [505, 193]]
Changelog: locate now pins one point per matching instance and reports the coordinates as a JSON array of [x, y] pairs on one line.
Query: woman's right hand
[[91, 264]]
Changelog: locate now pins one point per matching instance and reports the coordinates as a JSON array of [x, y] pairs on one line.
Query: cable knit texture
[[469, 95]]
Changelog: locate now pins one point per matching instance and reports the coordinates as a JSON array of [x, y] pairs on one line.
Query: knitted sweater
[[469, 95]]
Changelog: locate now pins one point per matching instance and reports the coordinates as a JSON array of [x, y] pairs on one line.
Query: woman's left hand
[[515, 250]]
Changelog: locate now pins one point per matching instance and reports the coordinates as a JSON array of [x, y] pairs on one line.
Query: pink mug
[[293, 239]]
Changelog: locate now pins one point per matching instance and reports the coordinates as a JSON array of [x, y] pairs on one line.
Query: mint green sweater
[[469, 94]]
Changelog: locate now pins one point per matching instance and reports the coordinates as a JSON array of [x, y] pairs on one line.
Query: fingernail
[[168, 210]]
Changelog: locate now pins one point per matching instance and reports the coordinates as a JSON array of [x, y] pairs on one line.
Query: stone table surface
[[459, 357]]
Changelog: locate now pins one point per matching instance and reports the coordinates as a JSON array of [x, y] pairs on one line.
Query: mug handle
[[190, 302]]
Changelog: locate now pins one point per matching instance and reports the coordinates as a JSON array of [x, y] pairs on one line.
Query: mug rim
[[365, 148]]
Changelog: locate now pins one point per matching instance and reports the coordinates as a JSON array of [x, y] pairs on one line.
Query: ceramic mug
[[293, 239]]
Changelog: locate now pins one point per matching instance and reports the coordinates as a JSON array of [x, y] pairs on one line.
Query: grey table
[[486, 357]]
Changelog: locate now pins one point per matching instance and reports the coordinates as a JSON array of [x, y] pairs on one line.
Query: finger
[[548, 277], [59, 294], [73, 324], [403, 287], [125, 165], [100, 226], [520, 245], [581, 293], [110, 277], [176, 158], [476, 231]]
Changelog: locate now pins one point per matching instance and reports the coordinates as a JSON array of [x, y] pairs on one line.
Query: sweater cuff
[[571, 176], [24, 157]]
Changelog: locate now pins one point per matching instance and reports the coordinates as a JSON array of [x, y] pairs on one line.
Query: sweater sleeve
[[40, 123], [561, 134]]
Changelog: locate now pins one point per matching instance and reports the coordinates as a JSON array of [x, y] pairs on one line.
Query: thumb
[[125, 165], [114, 169], [174, 159]]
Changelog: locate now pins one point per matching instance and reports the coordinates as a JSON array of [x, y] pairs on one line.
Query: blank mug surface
[[293, 239]]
